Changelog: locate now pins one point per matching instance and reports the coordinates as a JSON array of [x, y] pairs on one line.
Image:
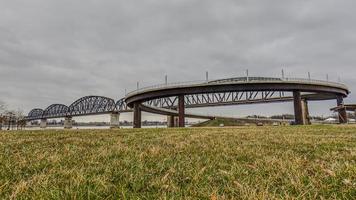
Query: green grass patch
[[292, 162], [220, 121]]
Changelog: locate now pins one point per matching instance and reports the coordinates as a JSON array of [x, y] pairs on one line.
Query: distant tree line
[[10, 119]]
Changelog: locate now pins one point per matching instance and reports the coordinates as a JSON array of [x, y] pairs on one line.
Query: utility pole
[[309, 76], [138, 85], [166, 80], [207, 76], [327, 77]]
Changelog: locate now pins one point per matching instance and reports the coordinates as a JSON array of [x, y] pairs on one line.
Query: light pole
[[247, 77], [282, 74]]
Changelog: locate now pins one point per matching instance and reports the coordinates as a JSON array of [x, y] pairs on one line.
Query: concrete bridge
[[344, 108], [172, 99], [240, 90]]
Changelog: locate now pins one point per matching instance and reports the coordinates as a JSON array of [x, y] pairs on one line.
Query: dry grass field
[[292, 162]]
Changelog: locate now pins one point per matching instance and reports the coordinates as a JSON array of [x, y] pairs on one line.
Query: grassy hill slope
[[235, 122], [197, 163]]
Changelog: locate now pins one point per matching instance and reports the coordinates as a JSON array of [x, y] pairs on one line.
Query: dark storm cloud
[[57, 51]]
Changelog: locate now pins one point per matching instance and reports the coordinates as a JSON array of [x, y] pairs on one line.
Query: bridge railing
[[306, 80], [235, 80], [167, 85]]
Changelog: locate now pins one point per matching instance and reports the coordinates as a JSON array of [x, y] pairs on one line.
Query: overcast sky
[[56, 51]]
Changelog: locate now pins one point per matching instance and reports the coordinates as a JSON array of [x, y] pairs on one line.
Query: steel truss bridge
[[172, 99], [97, 105], [89, 105]]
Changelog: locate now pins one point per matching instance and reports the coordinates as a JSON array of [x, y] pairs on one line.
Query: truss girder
[[91, 105], [226, 98]]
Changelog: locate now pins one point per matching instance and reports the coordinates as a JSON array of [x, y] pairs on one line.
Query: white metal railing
[[235, 80], [167, 85], [305, 80]]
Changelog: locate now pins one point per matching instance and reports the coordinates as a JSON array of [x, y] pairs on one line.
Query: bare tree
[[20, 119], [11, 118], [2, 113], [2, 107]]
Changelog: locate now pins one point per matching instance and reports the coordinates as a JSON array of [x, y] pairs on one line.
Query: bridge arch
[[56, 110], [121, 106], [36, 113], [92, 105]]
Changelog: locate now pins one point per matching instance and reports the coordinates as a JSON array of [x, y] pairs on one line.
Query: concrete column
[[170, 121], [298, 109], [115, 120], [43, 123], [176, 121], [137, 115], [68, 123], [306, 117], [181, 111], [342, 112]]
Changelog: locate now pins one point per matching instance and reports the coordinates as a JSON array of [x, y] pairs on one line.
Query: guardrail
[[167, 85], [235, 80]]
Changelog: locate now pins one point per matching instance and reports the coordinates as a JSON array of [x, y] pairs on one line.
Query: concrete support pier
[[68, 123], [181, 111], [342, 112], [137, 115], [298, 108], [306, 117], [115, 120], [172, 121], [43, 123]]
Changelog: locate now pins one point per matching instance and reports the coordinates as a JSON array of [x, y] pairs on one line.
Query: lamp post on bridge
[[207, 76], [247, 76], [282, 74]]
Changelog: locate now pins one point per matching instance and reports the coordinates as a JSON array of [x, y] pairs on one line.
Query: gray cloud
[[57, 51]]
